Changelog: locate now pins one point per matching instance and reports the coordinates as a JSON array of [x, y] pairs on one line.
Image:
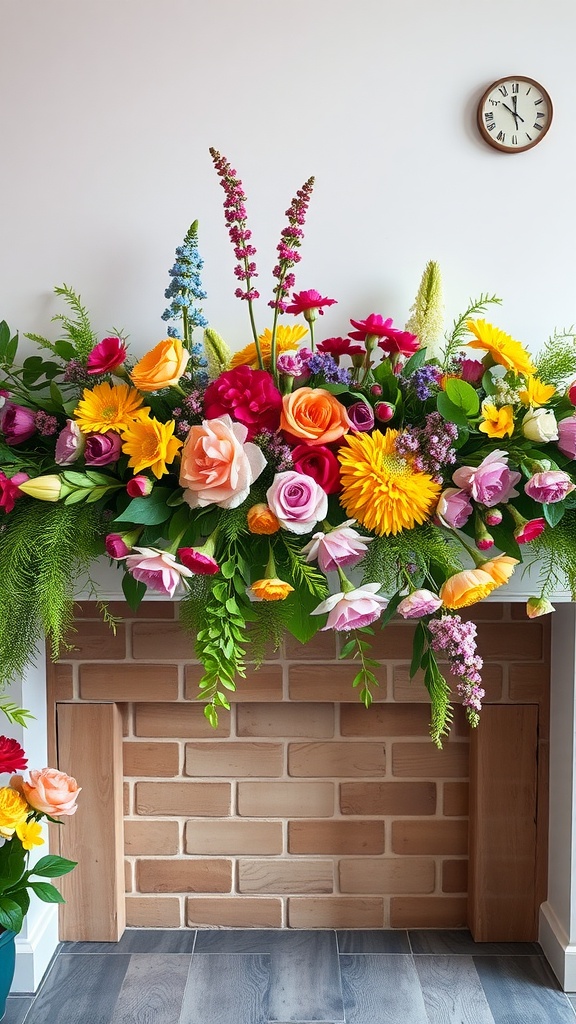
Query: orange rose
[[162, 367], [269, 589], [466, 588], [262, 520], [49, 791], [500, 568], [314, 416]]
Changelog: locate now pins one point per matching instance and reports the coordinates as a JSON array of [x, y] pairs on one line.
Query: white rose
[[540, 425]]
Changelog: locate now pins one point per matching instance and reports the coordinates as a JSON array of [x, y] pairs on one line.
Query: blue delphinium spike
[[185, 292]]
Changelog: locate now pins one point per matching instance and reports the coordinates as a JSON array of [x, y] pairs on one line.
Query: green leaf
[[228, 569], [65, 350], [415, 361], [335, 389], [4, 338], [488, 383], [52, 866], [299, 622], [149, 511], [12, 863], [417, 649], [347, 649], [11, 916], [463, 396], [133, 590], [554, 513], [46, 892], [505, 540], [390, 609], [452, 413]]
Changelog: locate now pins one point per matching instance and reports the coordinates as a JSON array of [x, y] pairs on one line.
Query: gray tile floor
[[284, 977]]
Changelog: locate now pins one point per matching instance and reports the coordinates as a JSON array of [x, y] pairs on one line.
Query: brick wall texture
[[303, 809]]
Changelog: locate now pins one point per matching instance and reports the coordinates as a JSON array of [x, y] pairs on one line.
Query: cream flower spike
[[427, 320]]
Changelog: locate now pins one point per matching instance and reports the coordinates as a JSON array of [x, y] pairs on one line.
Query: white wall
[[109, 107]]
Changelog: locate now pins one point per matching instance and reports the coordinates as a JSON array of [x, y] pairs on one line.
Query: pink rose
[[337, 548], [70, 444], [248, 396], [17, 423], [116, 546], [549, 487], [453, 508], [198, 562], [361, 416], [297, 501], [354, 609], [489, 483], [218, 464], [9, 489], [107, 356], [419, 603], [158, 569], [320, 463], [567, 436], [139, 486], [49, 791], [102, 449]]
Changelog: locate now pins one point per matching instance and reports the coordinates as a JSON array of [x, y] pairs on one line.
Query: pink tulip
[[17, 423], [102, 449], [70, 444]]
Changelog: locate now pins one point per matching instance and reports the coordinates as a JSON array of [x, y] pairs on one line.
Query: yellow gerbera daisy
[[151, 445], [382, 489], [108, 407], [497, 422], [503, 349], [287, 339], [536, 393], [30, 834]]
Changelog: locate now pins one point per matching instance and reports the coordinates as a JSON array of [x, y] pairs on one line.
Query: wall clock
[[514, 114]]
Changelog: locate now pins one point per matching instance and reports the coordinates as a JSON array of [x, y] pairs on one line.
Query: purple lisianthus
[[361, 416], [353, 609], [491, 482], [70, 444], [454, 508], [17, 423], [549, 487], [102, 449]]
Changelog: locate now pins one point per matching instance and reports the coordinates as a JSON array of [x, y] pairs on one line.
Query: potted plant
[[49, 794]]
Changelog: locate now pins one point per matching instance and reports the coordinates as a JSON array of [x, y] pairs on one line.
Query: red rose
[[12, 756], [248, 396], [319, 463]]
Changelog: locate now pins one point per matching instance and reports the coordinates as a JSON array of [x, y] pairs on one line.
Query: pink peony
[[102, 449], [107, 356], [453, 508], [320, 463], [10, 490], [248, 396], [529, 530], [17, 423], [297, 501], [354, 609], [139, 486], [548, 487], [489, 483], [218, 465], [158, 569], [337, 548], [567, 436], [198, 562], [418, 604], [70, 444]]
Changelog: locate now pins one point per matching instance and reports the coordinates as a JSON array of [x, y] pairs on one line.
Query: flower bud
[[43, 488], [572, 392], [384, 411], [536, 606], [139, 486], [493, 517], [198, 561], [116, 546], [376, 389]]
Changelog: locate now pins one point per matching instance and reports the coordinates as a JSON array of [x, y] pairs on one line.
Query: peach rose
[[162, 367], [269, 589], [500, 568], [466, 588], [13, 811], [218, 465], [261, 520], [314, 416], [49, 791]]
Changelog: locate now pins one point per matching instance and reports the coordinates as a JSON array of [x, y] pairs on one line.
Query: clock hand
[[516, 114]]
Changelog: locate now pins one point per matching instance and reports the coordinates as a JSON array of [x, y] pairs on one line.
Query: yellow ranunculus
[[536, 392], [30, 834], [162, 367], [497, 422], [13, 811], [270, 589]]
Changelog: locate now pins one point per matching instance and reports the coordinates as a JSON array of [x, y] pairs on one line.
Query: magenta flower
[[489, 483], [9, 489], [198, 562], [240, 235], [454, 508], [309, 303], [297, 501], [248, 396], [69, 444], [572, 392], [419, 603], [107, 356], [529, 530], [374, 326], [337, 347], [471, 370], [139, 486], [291, 364], [548, 487], [493, 517], [157, 569], [338, 548], [390, 338], [361, 415], [12, 756], [384, 411], [116, 546], [353, 609], [289, 244], [17, 423], [320, 463], [567, 436], [102, 449]]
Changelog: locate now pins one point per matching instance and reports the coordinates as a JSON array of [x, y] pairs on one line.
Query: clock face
[[514, 114]]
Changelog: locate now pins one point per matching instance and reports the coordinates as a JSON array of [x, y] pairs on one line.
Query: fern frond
[[266, 632], [426, 547], [304, 574], [556, 362], [456, 338], [556, 552], [79, 330]]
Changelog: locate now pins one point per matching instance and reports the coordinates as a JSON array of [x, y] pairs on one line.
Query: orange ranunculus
[[262, 520], [314, 416], [269, 589], [466, 588], [13, 811], [49, 791], [500, 568], [162, 367]]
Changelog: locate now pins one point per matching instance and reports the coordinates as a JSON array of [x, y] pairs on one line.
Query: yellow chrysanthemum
[[13, 811], [108, 407], [497, 422], [287, 339], [150, 445], [503, 349], [536, 393], [382, 489], [30, 834]]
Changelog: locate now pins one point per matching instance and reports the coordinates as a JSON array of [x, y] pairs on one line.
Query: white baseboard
[[560, 953], [35, 950]]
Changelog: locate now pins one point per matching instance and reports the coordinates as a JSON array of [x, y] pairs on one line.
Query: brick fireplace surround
[[304, 809]]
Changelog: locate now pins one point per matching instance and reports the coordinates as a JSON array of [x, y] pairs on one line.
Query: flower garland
[[288, 487]]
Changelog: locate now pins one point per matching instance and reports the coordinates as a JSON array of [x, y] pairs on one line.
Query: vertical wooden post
[[90, 749], [503, 894]]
